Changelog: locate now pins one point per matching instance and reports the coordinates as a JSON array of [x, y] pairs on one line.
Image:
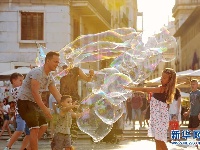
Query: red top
[[174, 125]]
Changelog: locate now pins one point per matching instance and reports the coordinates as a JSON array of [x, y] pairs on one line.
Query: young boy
[[16, 81], [62, 138]]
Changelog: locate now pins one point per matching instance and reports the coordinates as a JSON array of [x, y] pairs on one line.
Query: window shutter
[[32, 26]]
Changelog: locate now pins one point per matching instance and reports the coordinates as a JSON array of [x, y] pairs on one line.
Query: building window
[[32, 26]]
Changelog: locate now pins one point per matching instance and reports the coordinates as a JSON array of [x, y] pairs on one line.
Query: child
[[16, 80], [159, 115], [6, 112], [1, 114], [173, 124], [62, 137]]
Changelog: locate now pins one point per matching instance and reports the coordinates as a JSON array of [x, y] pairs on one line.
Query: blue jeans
[[20, 123], [136, 113]]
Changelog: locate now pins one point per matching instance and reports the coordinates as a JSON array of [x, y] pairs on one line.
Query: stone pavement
[[88, 145]]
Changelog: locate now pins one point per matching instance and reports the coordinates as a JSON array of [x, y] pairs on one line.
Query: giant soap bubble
[[89, 122], [167, 45], [108, 112], [100, 77], [132, 61]]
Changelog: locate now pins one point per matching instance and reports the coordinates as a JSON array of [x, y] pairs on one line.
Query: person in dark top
[[162, 96], [69, 86], [194, 109], [136, 108]]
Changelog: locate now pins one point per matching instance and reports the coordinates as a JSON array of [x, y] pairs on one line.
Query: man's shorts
[[193, 122], [31, 114], [61, 141]]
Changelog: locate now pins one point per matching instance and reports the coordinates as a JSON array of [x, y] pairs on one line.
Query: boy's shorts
[[31, 114], [27, 131], [20, 123], [61, 141]]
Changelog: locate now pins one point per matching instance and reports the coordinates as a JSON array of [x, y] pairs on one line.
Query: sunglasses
[[168, 71]]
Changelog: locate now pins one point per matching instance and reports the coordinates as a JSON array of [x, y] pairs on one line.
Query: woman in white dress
[[175, 106]]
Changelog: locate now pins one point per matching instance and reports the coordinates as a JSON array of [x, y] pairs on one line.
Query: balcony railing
[[100, 8]]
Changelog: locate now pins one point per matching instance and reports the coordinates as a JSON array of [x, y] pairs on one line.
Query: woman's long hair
[[170, 87]]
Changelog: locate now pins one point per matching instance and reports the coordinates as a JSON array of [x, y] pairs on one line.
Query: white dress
[[159, 120], [173, 109]]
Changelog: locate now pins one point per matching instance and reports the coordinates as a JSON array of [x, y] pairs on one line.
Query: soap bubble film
[[131, 62]]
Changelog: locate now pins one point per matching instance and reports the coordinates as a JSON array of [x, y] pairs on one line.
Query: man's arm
[[54, 91], [83, 76], [145, 89], [70, 107], [187, 112], [35, 86]]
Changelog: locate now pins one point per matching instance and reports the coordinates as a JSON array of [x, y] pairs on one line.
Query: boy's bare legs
[[14, 138], [25, 142]]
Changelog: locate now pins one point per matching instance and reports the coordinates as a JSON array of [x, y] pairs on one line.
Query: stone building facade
[[187, 34], [23, 23]]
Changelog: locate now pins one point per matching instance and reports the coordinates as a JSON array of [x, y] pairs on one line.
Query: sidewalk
[[128, 126], [127, 144], [87, 145]]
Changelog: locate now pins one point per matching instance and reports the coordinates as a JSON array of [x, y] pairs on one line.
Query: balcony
[[185, 4], [92, 8]]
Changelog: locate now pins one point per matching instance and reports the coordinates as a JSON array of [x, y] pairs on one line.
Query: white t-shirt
[[173, 109], [6, 107]]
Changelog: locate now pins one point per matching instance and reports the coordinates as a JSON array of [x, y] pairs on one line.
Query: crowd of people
[[157, 107]]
